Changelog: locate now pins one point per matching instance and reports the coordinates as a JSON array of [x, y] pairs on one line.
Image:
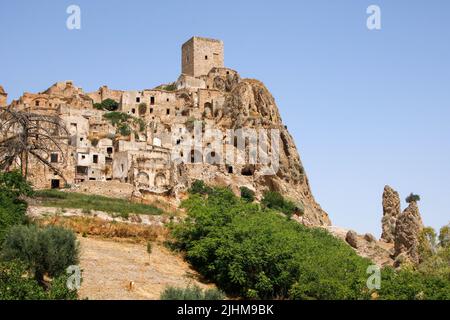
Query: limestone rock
[[391, 211], [369, 237], [352, 238], [408, 228]]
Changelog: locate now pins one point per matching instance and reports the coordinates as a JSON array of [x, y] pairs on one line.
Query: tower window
[[168, 111], [152, 100], [138, 99], [95, 158], [206, 57]]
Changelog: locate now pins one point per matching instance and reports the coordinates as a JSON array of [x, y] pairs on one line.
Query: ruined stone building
[[135, 144]]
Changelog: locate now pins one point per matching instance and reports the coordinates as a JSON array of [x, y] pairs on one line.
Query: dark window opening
[[95, 158], [228, 72], [206, 57], [138, 99], [82, 170], [83, 157], [248, 171], [151, 110], [37, 103], [133, 111], [168, 111], [230, 169], [167, 99], [92, 179], [108, 179], [55, 183], [109, 150], [152, 100], [108, 160], [178, 141], [81, 139], [54, 157]]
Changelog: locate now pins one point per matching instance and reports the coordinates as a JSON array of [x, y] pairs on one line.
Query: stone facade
[[200, 55], [151, 156]]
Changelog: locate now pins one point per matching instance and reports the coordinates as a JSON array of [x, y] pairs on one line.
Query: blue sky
[[366, 108]]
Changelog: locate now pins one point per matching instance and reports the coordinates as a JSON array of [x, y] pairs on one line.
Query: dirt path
[[109, 267]]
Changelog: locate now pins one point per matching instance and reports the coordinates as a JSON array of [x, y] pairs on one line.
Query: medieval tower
[[200, 55]]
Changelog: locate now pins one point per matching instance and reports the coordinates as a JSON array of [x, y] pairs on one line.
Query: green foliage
[[12, 208], [169, 87], [407, 284], [256, 253], [117, 118], [124, 129], [412, 198], [427, 243], [16, 284], [140, 123], [247, 194], [59, 199], [274, 200], [42, 250], [199, 187], [191, 293], [98, 106], [109, 105]]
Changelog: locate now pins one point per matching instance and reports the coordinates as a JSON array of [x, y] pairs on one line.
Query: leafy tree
[[274, 200], [191, 293], [412, 198], [444, 236], [247, 194], [16, 284], [427, 243], [44, 251]]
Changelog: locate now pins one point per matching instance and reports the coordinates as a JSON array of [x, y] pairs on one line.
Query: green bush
[[444, 236], [191, 293], [247, 194], [412, 198], [44, 251], [12, 207], [256, 253], [16, 284], [199, 187], [142, 108], [274, 200]]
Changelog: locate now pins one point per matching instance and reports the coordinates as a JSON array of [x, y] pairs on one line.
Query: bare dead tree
[[24, 133]]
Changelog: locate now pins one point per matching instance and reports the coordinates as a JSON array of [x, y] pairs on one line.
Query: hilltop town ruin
[[131, 149]]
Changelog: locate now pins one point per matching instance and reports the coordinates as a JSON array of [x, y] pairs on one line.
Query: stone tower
[[3, 97], [200, 55]]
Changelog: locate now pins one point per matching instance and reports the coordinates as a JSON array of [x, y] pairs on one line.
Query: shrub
[[247, 194], [274, 200], [412, 198], [110, 105], [43, 251], [191, 293], [124, 129], [16, 284], [256, 253], [199, 187], [142, 108], [444, 236]]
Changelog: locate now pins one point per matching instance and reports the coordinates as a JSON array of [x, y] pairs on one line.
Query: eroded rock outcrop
[[391, 211], [408, 228]]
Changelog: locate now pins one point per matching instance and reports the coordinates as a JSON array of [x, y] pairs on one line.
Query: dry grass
[[108, 229]]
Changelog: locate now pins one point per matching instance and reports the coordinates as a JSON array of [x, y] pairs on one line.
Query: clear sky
[[366, 108]]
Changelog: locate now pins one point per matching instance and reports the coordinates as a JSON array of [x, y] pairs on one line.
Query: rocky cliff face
[[408, 228], [248, 104], [391, 211]]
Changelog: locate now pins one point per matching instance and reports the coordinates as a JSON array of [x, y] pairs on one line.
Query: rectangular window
[[138, 99], [152, 100], [168, 111], [95, 158], [54, 158], [151, 110]]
